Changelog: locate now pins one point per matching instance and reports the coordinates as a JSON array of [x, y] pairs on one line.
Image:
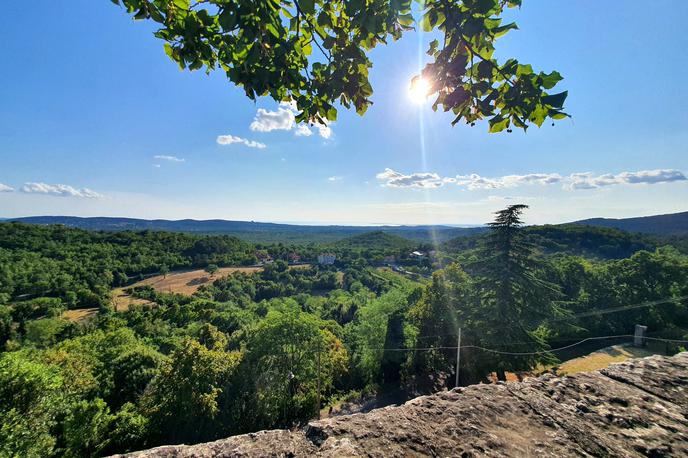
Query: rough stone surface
[[632, 409]]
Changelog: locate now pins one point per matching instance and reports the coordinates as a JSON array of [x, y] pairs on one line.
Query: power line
[[622, 308], [492, 350], [584, 315], [552, 350]]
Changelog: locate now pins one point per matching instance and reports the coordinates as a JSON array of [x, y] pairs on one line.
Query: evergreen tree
[[515, 297]]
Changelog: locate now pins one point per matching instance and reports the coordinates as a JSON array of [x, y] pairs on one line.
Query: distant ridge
[[250, 230], [376, 239], [669, 224]]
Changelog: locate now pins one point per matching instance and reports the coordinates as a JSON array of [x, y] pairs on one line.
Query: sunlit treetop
[[315, 52]]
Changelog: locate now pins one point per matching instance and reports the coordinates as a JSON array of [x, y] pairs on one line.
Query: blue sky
[[88, 99]]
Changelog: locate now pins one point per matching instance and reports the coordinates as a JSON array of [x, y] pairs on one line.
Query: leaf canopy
[[316, 53]]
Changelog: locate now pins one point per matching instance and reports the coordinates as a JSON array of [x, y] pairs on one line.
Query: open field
[[184, 282], [602, 358], [122, 301], [80, 315]]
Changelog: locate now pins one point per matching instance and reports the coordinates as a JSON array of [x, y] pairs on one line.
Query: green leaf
[[307, 6], [328, 42], [406, 20], [273, 30], [500, 31], [432, 49], [498, 123], [155, 14], [228, 19], [484, 6], [550, 80], [485, 69], [524, 70], [428, 21], [181, 4], [324, 19], [554, 114], [141, 14], [169, 50], [555, 100], [510, 66]]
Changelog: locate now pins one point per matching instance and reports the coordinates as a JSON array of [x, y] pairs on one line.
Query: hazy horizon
[[320, 223]]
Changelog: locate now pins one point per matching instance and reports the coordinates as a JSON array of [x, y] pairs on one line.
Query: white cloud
[[5, 188], [59, 190], [324, 130], [394, 179], [334, 178], [653, 176], [290, 104], [266, 121], [475, 181], [587, 180], [575, 181], [164, 157], [285, 119], [230, 139], [302, 130]]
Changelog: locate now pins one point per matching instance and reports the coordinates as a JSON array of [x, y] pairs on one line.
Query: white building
[[326, 258]]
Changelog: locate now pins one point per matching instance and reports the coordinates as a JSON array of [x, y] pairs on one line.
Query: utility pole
[[318, 380], [458, 358], [639, 336]]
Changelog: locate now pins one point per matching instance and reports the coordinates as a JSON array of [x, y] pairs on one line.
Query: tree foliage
[[258, 351], [316, 53], [195, 381]]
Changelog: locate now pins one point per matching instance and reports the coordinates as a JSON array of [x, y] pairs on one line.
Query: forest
[[272, 348]]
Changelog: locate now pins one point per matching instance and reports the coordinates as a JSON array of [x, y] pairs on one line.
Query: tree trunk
[[501, 375]]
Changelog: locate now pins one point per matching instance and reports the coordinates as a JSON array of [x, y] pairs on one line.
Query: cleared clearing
[[602, 358], [184, 282], [80, 315]]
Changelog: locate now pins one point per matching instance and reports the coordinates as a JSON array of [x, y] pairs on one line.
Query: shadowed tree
[[515, 299], [212, 269]]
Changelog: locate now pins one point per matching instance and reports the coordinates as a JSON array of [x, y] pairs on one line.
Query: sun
[[419, 89]]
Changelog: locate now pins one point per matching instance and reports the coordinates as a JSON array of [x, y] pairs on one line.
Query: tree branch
[[313, 30], [495, 66]]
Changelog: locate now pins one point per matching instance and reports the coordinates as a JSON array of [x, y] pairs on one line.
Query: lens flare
[[419, 90]]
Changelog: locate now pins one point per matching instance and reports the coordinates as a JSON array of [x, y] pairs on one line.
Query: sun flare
[[419, 90]]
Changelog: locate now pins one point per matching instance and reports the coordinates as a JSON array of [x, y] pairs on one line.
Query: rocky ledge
[[636, 408]]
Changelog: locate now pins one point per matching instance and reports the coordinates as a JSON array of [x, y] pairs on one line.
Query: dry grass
[[184, 282], [80, 315], [121, 300], [188, 282], [602, 358]]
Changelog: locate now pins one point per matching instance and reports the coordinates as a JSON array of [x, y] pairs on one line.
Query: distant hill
[[253, 231], [378, 240], [671, 224], [588, 241]]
